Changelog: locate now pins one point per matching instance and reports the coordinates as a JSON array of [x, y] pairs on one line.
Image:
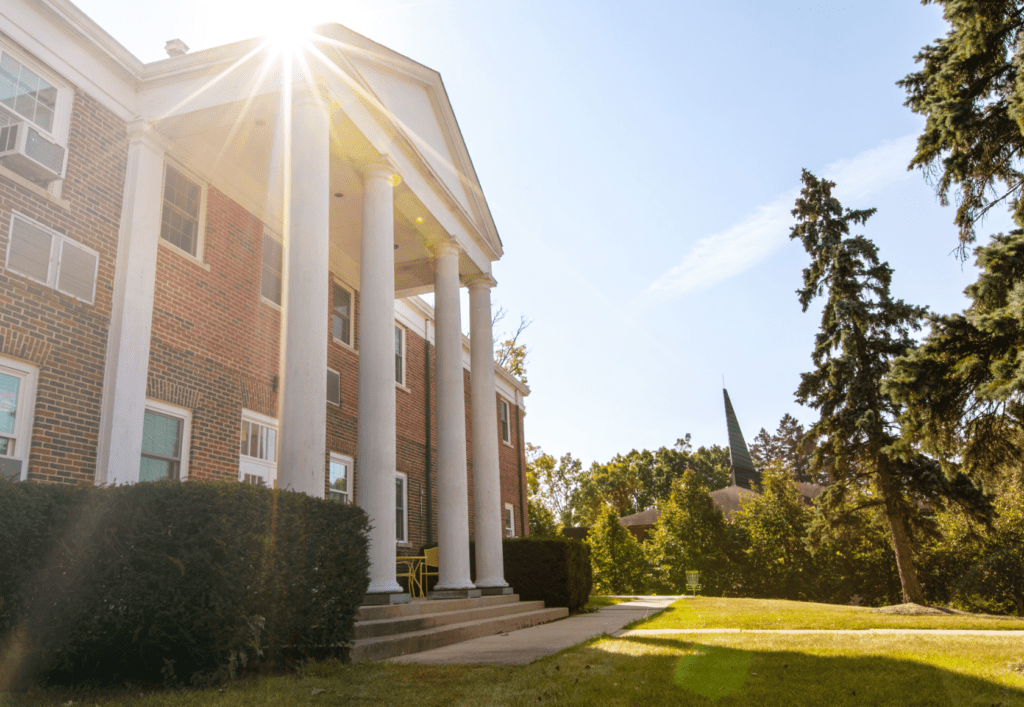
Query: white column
[[303, 390], [375, 437], [119, 448], [452, 484], [490, 566]]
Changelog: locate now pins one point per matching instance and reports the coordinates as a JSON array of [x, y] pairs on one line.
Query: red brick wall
[[65, 338]]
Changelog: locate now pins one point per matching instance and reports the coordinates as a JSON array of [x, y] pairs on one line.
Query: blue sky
[[641, 160]]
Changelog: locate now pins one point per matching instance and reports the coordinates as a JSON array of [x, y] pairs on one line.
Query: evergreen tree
[[862, 330], [971, 92], [616, 556], [788, 447]]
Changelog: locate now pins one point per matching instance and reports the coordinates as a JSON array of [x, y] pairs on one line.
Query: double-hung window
[[399, 355], [401, 508], [510, 521], [333, 387], [17, 408], [26, 94], [257, 460], [52, 259], [34, 115], [339, 487], [273, 261], [506, 434], [181, 219], [165, 442], [341, 314]]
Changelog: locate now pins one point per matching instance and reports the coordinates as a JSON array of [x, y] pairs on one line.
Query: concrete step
[[382, 647], [418, 622], [429, 606]]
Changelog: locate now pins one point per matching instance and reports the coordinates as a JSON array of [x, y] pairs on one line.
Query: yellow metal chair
[[411, 568], [429, 561]]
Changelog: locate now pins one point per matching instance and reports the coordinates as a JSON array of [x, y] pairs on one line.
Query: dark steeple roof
[[743, 471]]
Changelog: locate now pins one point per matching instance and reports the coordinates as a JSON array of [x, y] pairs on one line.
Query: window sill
[[343, 345], [269, 302], [507, 443], [187, 256], [401, 387], [34, 188]]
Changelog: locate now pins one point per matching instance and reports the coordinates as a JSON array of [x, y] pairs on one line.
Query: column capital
[[479, 282], [443, 246], [384, 167], [142, 132]]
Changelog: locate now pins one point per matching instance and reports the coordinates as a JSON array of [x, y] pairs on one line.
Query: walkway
[[838, 631], [528, 644]]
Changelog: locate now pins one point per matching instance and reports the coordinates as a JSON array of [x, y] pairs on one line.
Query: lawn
[[711, 612], [596, 602], [731, 669]]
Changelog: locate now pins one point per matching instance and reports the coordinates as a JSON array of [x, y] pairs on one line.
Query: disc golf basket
[[693, 581]]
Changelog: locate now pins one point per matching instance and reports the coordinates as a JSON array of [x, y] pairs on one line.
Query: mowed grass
[[712, 612], [783, 670], [596, 602]]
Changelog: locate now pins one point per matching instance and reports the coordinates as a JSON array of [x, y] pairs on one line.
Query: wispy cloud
[[723, 255]]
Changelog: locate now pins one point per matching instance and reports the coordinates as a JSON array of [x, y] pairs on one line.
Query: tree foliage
[[788, 447], [551, 483], [862, 330], [971, 92], [616, 556], [509, 352]]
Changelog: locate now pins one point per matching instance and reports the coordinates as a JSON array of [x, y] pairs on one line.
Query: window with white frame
[[399, 355], [165, 442], [333, 387], [257, 460], [181, 219], [26, 94], [17, 410], [339, 478], [510, 521], [273, 260], [51, 258], [506, 433], [401, 507], [341, 314]]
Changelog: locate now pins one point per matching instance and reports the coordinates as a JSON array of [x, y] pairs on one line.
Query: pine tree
[[862, 330]]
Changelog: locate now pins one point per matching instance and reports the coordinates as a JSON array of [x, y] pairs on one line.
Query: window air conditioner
[[24, 150]]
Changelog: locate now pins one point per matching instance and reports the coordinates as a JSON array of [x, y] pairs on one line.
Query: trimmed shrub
[[173, 582], [555, 570]]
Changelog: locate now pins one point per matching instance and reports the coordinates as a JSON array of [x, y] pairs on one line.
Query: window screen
[[77, 271], [333, 387], [29, 250]]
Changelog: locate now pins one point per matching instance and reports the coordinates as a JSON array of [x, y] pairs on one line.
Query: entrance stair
[[399, 629]]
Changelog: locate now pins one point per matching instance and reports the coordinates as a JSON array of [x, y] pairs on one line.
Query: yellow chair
[[429, 561], [411, 568]]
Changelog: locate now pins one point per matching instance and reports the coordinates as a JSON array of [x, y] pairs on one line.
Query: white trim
[[267, 231], [328, 400], [53, 263], [183, 414], [61, 110], [349, 495], [262, 467], [198, 257], [25, 408], [60, 260], [405, 354], [335, 280], [404, 540], [510, 520], [507, 407]]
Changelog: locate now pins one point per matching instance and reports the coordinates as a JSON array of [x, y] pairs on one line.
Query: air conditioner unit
[[24, 150]]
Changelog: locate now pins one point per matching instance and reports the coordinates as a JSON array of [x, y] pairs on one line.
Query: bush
[[173, 582], [555, 570], [620, 566]]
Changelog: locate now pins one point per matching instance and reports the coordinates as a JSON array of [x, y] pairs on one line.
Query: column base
[[454, 594], [495, 591], [382, 598]]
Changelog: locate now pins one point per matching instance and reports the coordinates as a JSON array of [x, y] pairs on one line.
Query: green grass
[[710, 612], [774, 670], [596, 602]]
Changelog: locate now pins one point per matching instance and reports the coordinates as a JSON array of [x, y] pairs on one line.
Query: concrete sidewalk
[[528, 644], [837, 631]]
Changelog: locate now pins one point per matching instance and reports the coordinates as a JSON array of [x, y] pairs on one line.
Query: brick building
[[211, 267]]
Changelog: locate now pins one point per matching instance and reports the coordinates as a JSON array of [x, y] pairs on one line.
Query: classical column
[[303, 390], [490, 569], [123, 408], [375, 437], [452, 484]]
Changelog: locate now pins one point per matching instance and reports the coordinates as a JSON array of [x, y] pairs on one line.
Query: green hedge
[[173, 582], [555, 570]]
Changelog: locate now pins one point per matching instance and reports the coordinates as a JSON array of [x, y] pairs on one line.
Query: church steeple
[[742, 467]]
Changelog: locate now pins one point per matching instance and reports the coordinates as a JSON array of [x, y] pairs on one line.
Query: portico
[[353, 159]]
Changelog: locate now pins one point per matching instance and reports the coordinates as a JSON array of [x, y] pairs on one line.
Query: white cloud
[[723, 255]]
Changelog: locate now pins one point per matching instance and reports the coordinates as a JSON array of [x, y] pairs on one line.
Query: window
[[165, 434], [510, 521], [180, 221], [52, 259], [401, 506], [399, 355], [273, 259], [31, 97], [341, 314], [505, 430], [26, 93], [333, 387], [257, 458], [17, 410], [339, 479]]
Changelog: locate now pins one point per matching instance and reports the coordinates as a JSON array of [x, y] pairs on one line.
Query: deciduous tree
[[617, 558]]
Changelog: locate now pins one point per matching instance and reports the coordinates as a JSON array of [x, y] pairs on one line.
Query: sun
[[289, 27]]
